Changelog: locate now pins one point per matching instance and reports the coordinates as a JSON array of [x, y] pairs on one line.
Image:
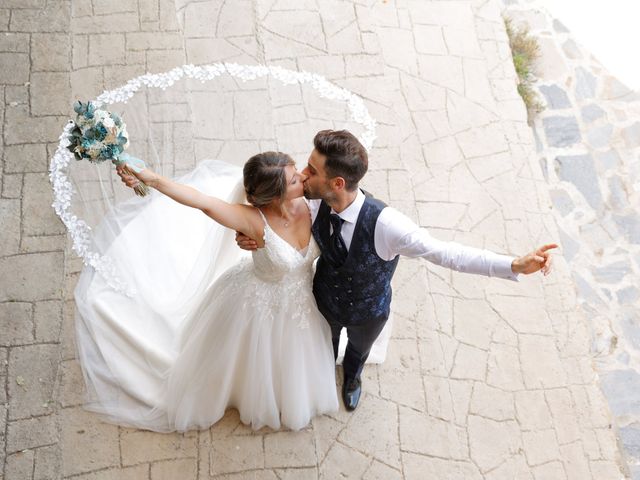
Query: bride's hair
[[265, 179]]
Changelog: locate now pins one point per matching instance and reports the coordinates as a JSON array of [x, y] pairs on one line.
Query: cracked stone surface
[[593, 170], [485, 379]]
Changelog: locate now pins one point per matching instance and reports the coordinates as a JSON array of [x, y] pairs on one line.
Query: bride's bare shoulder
[[304, 207]]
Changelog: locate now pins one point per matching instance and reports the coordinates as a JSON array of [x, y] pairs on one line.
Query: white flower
[[95, 150], [108, 122]]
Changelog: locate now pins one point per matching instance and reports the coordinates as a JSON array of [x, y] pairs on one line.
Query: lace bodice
[[280, 261]]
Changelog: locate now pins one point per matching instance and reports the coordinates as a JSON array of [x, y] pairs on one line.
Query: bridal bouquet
[[99, 135]]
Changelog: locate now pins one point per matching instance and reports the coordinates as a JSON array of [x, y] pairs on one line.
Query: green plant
[[524, 51]]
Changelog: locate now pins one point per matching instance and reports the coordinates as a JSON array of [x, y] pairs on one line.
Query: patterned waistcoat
[[360, 289]]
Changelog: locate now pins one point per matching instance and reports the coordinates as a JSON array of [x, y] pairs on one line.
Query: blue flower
[[78, 108], [90, 108], [100, 131], [111, 151], [85, 109]]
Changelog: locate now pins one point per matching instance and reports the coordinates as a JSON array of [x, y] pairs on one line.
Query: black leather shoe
[[351, 390]]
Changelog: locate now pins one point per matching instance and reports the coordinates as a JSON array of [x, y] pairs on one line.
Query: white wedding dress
[[208, 328]]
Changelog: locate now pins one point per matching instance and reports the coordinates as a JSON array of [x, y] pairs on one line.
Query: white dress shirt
[[396, 234]]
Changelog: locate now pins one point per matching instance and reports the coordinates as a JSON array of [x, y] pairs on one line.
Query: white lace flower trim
[[58, 170]]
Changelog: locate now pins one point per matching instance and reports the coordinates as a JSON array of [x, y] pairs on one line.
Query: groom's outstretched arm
[[396, 235]]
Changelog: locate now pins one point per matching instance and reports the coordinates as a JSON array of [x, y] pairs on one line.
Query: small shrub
[[525, 51]]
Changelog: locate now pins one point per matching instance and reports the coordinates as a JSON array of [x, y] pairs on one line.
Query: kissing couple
[[263, 335]]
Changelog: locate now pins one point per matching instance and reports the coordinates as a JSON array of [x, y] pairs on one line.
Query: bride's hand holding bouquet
[[133, 179]]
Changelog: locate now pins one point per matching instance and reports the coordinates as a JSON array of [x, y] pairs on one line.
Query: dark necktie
[[337, 247]]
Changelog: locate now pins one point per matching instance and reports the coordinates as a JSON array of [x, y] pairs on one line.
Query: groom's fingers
[[548, 246]]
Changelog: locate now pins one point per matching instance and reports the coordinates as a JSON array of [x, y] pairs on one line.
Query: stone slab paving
[[588, 144], [485, 379]]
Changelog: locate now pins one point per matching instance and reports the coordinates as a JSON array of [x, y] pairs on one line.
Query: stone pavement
[[485, 379], [588, 141]]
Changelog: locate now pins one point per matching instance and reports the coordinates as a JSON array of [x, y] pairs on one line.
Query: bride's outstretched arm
[[234, 216]]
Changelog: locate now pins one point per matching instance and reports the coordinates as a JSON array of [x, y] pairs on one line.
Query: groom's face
[[317, 185]]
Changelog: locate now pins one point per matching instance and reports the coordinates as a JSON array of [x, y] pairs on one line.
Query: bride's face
[[295, 182]]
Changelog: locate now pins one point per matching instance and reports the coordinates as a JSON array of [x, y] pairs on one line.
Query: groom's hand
[[539, 259], [245, 243]]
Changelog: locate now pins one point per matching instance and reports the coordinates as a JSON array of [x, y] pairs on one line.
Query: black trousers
[[360, 340]]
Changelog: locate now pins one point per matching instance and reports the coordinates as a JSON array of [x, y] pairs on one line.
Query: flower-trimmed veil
[[176, 121]]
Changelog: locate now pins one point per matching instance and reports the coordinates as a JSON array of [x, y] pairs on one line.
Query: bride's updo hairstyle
[[265, 178]]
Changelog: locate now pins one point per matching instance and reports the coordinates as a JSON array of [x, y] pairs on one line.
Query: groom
[[361, 239]]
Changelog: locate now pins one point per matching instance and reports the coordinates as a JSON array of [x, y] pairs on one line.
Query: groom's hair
[[346, 157]]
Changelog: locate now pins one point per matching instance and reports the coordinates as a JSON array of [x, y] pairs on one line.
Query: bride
[[253, 341]]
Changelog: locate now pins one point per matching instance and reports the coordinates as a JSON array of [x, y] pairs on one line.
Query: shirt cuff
[[502, 268]]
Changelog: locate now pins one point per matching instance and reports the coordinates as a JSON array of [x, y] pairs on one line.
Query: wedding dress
[[209, 327]]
